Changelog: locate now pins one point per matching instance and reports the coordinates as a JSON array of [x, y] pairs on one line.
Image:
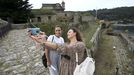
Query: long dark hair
[[78, 35]]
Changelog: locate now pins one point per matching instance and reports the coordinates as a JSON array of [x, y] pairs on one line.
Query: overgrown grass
[[88, 33], [105, 58], [48, 28]]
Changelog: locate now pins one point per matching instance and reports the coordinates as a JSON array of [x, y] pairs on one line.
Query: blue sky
[[83, 5]]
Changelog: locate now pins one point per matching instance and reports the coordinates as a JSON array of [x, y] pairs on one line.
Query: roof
[[56, 6]]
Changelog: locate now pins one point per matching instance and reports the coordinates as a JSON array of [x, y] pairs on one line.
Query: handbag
[[87, 67], [44, 60]]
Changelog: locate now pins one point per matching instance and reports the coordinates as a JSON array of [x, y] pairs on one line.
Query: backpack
[[44, 59]]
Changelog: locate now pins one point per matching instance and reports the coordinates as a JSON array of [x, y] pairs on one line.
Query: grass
[[88, 33], [48, 28], [105, 58]]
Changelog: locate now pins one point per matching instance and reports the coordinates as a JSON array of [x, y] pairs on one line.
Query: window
[[72, 19], [38, 19], [49, 17], [65, 14]]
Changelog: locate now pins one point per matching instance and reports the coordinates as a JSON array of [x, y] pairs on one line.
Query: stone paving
[[18, 55], [124, 64]]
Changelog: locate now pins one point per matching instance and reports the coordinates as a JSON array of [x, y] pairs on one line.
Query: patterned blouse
[[68, 57]]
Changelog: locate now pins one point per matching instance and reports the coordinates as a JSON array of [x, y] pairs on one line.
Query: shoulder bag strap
[[53, 38], [76, 54], [87, 52]]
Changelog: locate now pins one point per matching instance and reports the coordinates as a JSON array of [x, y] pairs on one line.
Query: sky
[[84, 5]]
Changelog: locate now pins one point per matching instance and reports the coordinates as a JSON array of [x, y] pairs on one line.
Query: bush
[[48, 28]]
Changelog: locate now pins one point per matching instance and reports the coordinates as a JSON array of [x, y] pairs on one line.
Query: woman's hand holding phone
[[40, 39]]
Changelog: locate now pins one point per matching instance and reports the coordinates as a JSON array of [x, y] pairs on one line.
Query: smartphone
[[34, 31]]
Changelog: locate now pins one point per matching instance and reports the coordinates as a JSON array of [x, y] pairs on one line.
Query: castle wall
[[72, 17], [87, 18], [47, 8]]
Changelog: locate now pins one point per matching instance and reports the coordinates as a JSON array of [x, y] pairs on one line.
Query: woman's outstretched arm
[[46, 43], [60, 48], [50, 44]]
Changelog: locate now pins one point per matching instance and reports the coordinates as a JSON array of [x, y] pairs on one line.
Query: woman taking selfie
[[68, 51]]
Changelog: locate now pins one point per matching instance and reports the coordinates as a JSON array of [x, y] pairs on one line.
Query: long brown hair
[[78, 35]]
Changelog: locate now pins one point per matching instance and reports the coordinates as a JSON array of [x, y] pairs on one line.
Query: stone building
[[55, 12], [55, 7]]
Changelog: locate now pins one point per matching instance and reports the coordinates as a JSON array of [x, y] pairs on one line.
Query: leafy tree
[[17, 10]]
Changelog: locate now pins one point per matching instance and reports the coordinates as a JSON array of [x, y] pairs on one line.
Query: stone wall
[[87, 18], [127, 41], [13, 26], [3, 23], [71, 17], [124, 27], [19, 26], [44, 18], [95, 41], [4, 28]]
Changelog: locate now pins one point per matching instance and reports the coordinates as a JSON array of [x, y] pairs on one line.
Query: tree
[[17, 10], [125, 14]]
